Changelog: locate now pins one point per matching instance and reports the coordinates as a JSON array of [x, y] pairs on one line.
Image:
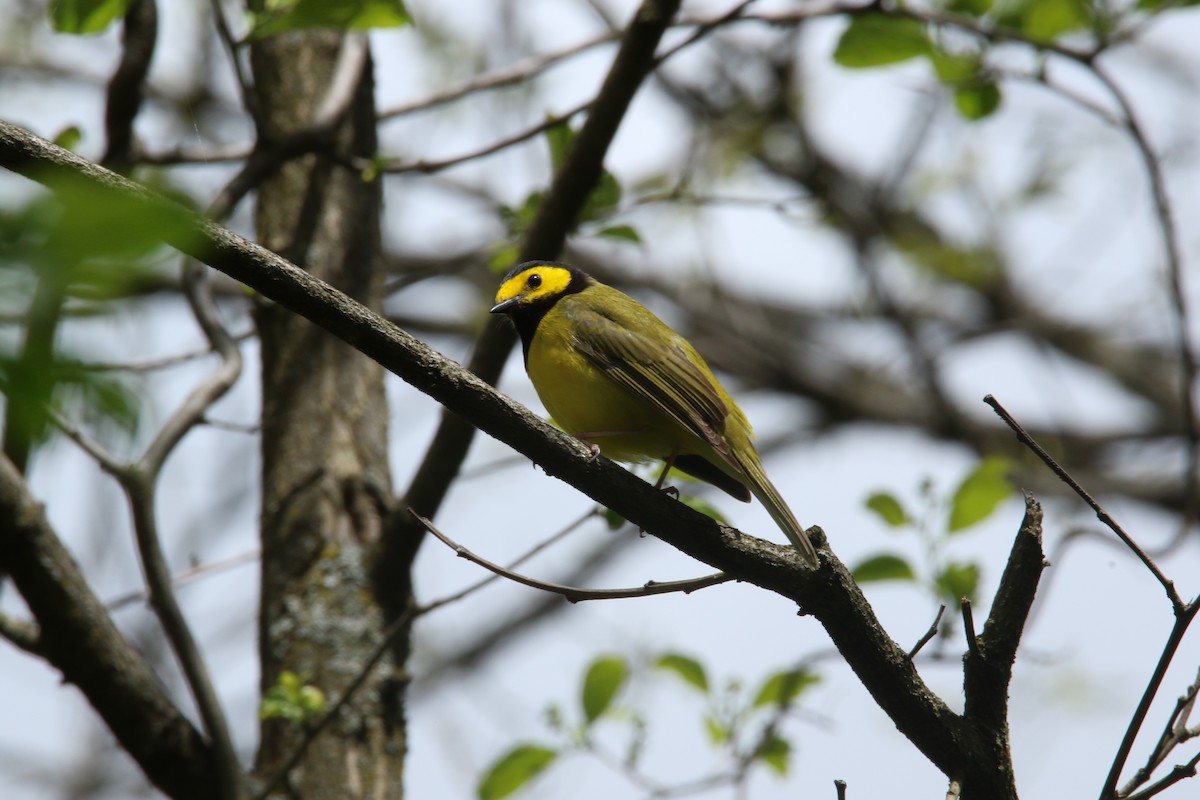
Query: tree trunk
[[324, 434]]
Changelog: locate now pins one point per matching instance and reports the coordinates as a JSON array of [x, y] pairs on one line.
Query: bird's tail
[[762, 488]]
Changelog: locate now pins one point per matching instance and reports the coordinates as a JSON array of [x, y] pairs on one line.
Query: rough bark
[[324, 433]]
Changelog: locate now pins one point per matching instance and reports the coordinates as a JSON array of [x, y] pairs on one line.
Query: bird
[[617, 377]]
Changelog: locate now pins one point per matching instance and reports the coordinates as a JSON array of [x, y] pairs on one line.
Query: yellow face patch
[[533, 284]]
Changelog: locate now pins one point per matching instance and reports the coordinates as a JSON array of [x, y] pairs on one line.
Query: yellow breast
[[586, 403]]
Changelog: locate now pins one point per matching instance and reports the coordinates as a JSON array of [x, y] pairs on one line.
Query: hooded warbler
[[613, 374]]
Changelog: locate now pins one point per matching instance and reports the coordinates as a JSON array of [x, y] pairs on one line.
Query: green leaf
[[504, 255], [32, 387], [69, 137], [1154, 5], [974, 8], [94, 224], [888, 508], [86, 16], [883, 567], [688, 669], [980, 492], [703, 506], [976, 267], [604, 678], [625, 232], [1045, 20], [955, 68], [775, 753], [957, 581], [281, 16], [292, 700], [603, 199], [977, 102], [559, 137], [607, 194], [311, 700], [783, 687], [612, 519], [873, 40], [717, 733], [513, 770]]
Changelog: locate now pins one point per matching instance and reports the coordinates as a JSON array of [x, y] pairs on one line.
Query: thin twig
[[969, 626], [1175, 732], [188, 576], [163, 362], [87, 444], [1165, 216], [929, 634], [505, 76], [1027, 440], [572, 593], [1183, 619], [245, 86], [1180, 772], [486, 150], [702, 30], [539, 547]]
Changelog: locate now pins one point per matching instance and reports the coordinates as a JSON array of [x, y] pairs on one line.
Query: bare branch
[[1183, 619], [163, 362], [188, 576], [1165, 216], [929, 634], [506, 76], [1027, 440], [1175, 732], [486, 150], [539, 547], [572, 593], [245, 85], [1180, 772], [968, 618]]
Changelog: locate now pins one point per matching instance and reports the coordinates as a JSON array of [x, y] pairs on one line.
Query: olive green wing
[[644, 356]]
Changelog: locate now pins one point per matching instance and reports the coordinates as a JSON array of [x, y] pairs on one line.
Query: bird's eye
[[535, 280]]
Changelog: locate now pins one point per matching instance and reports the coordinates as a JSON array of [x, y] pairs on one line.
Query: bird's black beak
[[506, 306]]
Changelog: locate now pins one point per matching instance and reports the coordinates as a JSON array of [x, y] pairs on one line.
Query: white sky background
[[1091, 251]]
